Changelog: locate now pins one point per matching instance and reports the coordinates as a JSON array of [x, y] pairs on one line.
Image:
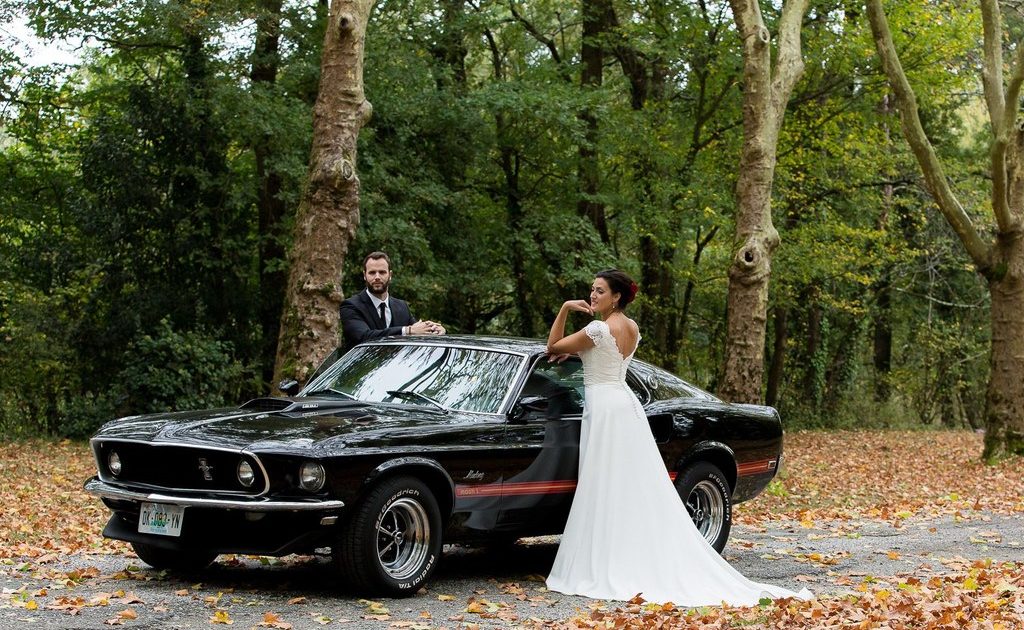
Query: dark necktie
[[383, 317]]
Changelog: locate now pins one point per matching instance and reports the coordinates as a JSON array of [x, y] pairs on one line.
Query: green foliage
[[130, 231], [170, 369]]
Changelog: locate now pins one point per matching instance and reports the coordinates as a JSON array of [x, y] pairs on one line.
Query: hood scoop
[[267, 404], [302, 405]]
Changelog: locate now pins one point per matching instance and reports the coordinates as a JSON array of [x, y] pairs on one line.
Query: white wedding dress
[[628, 532]]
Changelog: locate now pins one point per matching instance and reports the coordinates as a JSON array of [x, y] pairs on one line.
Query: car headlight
[[312, 476], [114, 463], [246, 476]]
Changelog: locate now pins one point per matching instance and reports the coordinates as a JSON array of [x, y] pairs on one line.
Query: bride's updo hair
[[619, 282]]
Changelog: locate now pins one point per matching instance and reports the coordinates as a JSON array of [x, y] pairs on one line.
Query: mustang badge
[[206, 469]]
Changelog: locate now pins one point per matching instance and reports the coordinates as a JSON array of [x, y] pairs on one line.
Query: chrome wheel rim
[[403, 538], [707, 509]]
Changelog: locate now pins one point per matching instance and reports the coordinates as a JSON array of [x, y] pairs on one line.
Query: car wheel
[[180, 560], [704, 490], [392, 542]]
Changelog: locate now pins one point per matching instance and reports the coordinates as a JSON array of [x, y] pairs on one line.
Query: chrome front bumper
[[107, 491]]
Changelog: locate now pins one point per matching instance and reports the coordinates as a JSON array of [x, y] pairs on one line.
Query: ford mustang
[[400, 445]]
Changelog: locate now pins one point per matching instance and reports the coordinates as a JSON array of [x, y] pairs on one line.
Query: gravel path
[[499, 587]]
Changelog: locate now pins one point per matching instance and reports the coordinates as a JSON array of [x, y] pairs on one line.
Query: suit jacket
[[360, 321]]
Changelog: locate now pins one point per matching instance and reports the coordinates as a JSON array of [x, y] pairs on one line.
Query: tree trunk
[[273, 278], [882, 336], [452, 50], [882, 315], [1002, 263], [778, 358], [329, 213], [595, 23], [515, 216], [765, 95], [1004, 404], [815, 365]]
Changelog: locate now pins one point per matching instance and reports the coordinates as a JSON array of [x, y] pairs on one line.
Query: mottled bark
[[1002, 262], [765, 95], [1004, 403], [329, 212]]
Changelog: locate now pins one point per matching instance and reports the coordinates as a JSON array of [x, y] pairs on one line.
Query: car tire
[[705, 491], [392, 542], [176, 560]]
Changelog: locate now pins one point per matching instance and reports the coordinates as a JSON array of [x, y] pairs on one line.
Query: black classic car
[[400, 445]]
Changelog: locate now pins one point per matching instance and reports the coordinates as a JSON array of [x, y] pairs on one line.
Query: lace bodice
[[603, 363]]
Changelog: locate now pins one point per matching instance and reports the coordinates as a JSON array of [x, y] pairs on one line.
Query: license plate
[[158, 518]]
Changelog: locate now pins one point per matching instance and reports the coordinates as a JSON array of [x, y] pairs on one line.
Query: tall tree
[[266, 61], [329, 213], [1000, 262], [766, 93], [597, 16]]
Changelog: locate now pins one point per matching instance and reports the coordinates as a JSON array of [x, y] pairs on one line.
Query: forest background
[[148, 195]]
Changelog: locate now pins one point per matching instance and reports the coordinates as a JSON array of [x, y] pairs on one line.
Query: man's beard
[[383, 291]]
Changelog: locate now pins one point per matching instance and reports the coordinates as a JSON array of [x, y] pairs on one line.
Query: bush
[[179, 370]]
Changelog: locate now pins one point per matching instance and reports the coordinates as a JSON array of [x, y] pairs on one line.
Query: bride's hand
[[582, 306]]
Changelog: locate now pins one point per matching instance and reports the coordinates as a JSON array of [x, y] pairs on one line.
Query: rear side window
[[665, 386]]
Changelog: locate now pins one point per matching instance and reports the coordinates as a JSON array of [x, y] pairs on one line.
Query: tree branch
[[790, 64], [532, 30], [992, 67], [1003, 129], [935, 178]]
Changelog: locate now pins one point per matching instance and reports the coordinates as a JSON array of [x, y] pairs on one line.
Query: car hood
[[296, 423]]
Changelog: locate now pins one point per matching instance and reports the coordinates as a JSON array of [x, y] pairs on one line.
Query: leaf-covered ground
[[887, 475], [832, 484]]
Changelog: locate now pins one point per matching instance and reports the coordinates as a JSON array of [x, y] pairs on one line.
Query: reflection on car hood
[[303, 424]]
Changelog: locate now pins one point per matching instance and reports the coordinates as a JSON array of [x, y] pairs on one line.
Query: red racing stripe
[[520, 488]]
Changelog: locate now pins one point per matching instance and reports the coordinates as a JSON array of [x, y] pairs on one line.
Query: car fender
[[437, 479], [714, 452]]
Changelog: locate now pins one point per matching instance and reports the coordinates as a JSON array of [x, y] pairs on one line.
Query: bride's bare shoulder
[[623, 326], [629, 326]]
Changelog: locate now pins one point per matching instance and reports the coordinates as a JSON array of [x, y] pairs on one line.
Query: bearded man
[[374, 313]]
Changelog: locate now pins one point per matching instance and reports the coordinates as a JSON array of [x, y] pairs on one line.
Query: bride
[[628, 532]]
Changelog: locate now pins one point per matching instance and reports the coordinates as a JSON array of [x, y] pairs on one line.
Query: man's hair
[[377, 256]]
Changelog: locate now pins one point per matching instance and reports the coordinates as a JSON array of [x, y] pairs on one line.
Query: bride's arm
[[558, 343]]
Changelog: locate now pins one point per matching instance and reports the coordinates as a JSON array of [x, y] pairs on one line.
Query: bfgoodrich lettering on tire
[[392, 542], [703, 488]]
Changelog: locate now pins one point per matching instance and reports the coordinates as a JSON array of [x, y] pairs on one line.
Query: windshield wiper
[[410, 395], [331, 390]]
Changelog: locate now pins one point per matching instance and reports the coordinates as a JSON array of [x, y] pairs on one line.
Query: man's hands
[[426, 327]]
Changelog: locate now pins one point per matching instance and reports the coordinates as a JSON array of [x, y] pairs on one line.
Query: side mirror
[[289, 386], [524, 406]]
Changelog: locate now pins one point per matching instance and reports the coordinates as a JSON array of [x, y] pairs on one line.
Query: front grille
[[179, 467]]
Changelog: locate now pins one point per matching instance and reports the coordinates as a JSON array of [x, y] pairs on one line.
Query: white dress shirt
[[387, 309]]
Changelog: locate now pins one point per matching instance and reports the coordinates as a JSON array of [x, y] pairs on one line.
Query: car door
[[542, 442]]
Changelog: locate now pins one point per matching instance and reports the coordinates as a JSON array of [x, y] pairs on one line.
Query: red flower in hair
[[632, 290]]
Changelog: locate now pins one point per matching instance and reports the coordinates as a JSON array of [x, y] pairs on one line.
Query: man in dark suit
[[374, 313]]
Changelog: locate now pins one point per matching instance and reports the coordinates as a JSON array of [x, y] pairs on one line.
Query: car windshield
[[433, 376]]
